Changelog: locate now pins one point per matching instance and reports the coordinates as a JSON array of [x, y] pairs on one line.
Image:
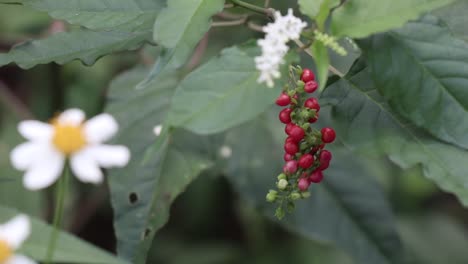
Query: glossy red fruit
[[306, 161], [285, 116], [297, 133], [314, 119], [325, 156], [289, 140], [310, 87], [323, 165], [291, 148], [288, 128], [307, 75], [312, 103], [316, 176], [290, 167], [288, 157], [303, 184], [283, 100], [328, 135]]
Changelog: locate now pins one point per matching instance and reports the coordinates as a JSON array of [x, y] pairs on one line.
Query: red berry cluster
[[305, 156]]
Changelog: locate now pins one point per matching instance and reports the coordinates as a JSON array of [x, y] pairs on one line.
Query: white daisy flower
[[274, 45], [67, 136], [12, 235]]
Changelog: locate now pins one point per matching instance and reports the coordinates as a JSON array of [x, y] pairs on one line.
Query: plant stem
[[59, 206], [330, 67], [254, 8]]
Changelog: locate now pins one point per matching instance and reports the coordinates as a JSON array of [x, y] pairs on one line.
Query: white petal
[[72, 117], [20, 259], [35, 130], [15, 231], [100, 128], [157, 130], [45, 170], [24, 155], [85, 167], [108, 156]]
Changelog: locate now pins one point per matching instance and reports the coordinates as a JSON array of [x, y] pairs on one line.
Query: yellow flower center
[[68, 138], [5, 251]]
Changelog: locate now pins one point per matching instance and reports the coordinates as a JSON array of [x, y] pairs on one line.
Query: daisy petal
[[24, 155], [20, 259], [85, 167], [15, 231], [108, 156], [35, 130], [45, 170], [100, 128], [72, 117]]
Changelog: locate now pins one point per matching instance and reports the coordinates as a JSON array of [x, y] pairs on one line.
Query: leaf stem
[[330, 67], [58, 215], [261, 10]]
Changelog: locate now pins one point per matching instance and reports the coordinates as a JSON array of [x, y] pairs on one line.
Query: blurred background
[[209, 223]]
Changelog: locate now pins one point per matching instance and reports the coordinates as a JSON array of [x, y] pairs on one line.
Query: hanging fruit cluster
[[305, 157]]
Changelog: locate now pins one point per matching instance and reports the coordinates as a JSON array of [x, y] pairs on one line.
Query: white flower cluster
[[274, 45]]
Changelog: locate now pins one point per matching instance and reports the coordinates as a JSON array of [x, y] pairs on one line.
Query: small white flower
[[157, 130], [274, 45], [67, 136], [225, 152], [12, 235]]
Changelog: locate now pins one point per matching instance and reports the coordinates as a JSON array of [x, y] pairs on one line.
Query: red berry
[[288, 157], [290, 167], [289, 140], [314, 119], [285, 116], [312, 103], [325, 156], [303, 184], [297, 133], [328, 135], [310, 87], [323, 165], [288, 128], [316, 176], [306, 161], [283, 100], [307, 75], [291, 148]]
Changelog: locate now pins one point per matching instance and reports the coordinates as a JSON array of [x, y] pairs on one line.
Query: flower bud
[[295, 196], [282, 184], [282, 176], [271, 196], [305, 194]]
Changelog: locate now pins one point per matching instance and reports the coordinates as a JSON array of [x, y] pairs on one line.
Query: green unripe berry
[[282, 184], [295, 196], [282, 176], [305, 195]]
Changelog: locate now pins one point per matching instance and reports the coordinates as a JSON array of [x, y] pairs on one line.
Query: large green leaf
[[69, 248], [312, 8], [421, 70], [222, 93], [143, 191], [63, 47], [348, 209], [12, 192], [360, 18], [365, 123], [109, 15], [455, 17]]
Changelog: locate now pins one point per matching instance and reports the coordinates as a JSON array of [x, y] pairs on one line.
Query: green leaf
[[127, 15], [143, 191], [421, 71], [222, 93], [365, 123], [69, 249], [312, 8], [63, 47], [348, 209], [193, 21], [322, 61], [12, 192], [360, 18], [455, 18]]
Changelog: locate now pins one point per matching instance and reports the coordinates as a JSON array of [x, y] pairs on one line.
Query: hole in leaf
[[133, 198]]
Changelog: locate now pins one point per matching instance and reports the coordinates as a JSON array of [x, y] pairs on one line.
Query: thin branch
[[254, 27], [229, 16], [226, 6], [199, 52], [267, 3], [330, 67], [237, 22], [13, 103], [257, 9]]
